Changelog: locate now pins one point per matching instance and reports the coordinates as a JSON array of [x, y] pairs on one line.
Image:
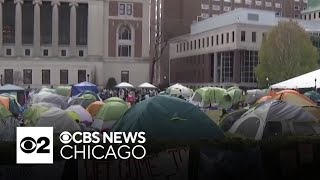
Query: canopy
[[273, 118], [81, 87], [84, 115], [304, 81], [147, 86], [168, 118], [124, 85], [112, 111], [94, 107], [10, 87]]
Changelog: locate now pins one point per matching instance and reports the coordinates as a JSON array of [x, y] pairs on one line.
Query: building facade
[[313, 11], [51, 43], [178, 15], [223, 51]]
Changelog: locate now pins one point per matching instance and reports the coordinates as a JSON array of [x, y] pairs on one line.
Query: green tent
[[4, 113], [236, 95], [165, 117], [63, 90], [33, 113], [214, 95], [112, 111], [115, 99], [314, 96]]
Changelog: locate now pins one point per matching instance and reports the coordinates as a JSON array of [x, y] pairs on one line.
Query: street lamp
[[315, 84], [88, 77], [267, 79]]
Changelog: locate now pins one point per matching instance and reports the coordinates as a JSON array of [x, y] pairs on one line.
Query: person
[[131, 98], [180, 95]]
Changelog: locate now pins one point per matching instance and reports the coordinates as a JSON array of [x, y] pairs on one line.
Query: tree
[[286, 52], [111, 83]]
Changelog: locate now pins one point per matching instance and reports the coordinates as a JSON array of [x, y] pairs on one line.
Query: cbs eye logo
[[65, 137], [29, 145]]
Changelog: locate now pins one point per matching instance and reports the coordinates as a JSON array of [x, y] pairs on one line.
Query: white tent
[[124, 85], [147, 85], [308, 80], [179, 89]]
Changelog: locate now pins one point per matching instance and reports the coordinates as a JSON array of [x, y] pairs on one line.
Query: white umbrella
[[147, 85], [124, 85]]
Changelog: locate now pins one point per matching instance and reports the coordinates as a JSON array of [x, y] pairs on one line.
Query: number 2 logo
[[29, 145]]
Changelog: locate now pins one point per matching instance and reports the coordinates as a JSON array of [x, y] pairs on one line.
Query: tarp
[[294, 98], [169, 118], [114, 99], [84, 86], [112, 111], [63, 90], [253, 95], [59, 101], [81, 101], [94, 108], [10, 103], [273, 118], [303, 81], [179, 89], [10, 87], [32, 114]]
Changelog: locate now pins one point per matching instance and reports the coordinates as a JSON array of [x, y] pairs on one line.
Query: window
[[249, 127], [203, 42], [232, 36], [277, 5], [225, 66], [125, 76], [81, 53], [45, 52], [63, 52], [309, 16], [254, 37], [216, 7], [296, 7], [207, 41], [248, 62], [204, 6], [125, 9], [212, 42], [199, 43], [248, 2], [191, 45], [238, 1], [222, 35], [82, 76], [8, 52], [124, 51], [195, 44], [227, 37], [217, 40], [46, 76], [204, 15], [278, 14], [253, 17], [226, 8], [64, 76], [27, 52], [319, 15], [243, 36], [177, 48], [27, 76], [8, 76], [268, 4], [314, 16], [184, 46], [296, 16], [126, 41], [258, 3]]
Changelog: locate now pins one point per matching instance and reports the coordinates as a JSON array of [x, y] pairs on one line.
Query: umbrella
[[147, 86], [84, 115], [124, 85], [112, 111]]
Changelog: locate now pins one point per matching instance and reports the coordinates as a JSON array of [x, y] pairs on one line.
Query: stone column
[[18, 27], [1, 29], [236, 67], [73, 28], [36, 28], [55, 27], [215, 68]]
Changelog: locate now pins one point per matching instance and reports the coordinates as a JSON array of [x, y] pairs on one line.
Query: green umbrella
[[314, 96], [165, 117], [112, 111], [115, 99]]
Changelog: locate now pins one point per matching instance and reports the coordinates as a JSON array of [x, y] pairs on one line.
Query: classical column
[[1, 28], [55, 27], [36, 28], [73, 28], [18, 27]]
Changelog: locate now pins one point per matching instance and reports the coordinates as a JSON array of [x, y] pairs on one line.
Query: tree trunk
[[152, 70]]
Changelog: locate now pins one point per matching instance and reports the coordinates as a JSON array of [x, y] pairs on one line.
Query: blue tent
[[84, 86]]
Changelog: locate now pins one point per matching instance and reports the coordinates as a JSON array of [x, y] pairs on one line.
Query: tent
[[314, 96], [273, 118], [228, 120], [94, 107], [32, 114], [59, 101], [307, 80], [178, 89], [263, 99], [84, 116], [63, 90], [293, 97], [10, 102], [168, 118], [59, 119], [81, 101], [89, 95], [112, 111], [18, 91], [124, 85], [147, 86], [114, 99], [253, 95], [84, 86]]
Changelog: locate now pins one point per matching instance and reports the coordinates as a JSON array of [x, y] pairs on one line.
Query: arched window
[[124, 33], [125, 41]]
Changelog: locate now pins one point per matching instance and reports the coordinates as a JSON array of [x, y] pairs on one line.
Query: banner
[[166, 165]]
